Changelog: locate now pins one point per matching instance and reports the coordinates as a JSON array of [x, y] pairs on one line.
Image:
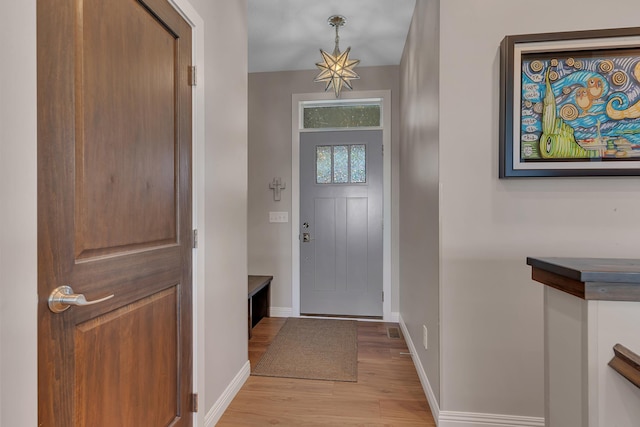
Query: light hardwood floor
[[387, 393]]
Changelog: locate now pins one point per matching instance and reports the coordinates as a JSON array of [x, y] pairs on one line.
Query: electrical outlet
[[278, 216], [425, 337]]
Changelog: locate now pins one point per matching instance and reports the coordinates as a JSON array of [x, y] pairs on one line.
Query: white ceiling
[[287, 34]]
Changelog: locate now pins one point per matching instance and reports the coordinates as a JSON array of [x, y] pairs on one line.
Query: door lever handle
[[63, 297]]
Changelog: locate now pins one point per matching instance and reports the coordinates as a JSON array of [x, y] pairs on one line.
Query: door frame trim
[[296, 100], [193, 18]]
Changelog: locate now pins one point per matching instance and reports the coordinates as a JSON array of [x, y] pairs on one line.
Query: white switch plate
[[278, 216], [425, 337]]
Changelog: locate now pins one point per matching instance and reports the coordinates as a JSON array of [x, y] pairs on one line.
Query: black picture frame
[[609, 145]]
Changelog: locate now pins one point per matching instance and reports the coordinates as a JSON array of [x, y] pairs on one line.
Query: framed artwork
[[570, 104]]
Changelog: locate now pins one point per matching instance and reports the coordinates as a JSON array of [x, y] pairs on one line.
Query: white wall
[[419, 180], [582, 389], [225, 204], [270, 156], [18, 251], [617, 323], [491, 323], [491, 310]]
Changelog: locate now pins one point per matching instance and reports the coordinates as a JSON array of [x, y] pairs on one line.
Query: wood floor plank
[[288, 385], [405, 410], [388, 392]]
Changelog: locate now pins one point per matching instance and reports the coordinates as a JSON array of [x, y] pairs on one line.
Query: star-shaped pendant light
[[337, 68]]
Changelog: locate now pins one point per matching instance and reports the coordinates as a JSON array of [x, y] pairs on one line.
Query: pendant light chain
[[336, 50]]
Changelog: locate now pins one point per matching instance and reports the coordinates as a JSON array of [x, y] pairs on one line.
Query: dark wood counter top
[[611, 279]]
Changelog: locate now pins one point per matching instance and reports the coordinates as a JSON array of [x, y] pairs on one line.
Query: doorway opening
[[336, 167]]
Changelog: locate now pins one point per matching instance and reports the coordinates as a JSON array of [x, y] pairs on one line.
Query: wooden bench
[[259, 299]]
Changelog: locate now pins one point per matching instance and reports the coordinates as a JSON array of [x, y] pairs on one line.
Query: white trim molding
[[281, 312], [422, 374], [462, 419], [215, 413], [189, 13], [470, 419]]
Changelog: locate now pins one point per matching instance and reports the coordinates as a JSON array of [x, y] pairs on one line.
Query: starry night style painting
[[570, 104]]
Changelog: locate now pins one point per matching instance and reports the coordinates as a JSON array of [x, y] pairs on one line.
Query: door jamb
[[296, 100], [189, 13]]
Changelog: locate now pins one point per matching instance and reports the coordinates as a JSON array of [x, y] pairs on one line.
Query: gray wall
[[18, 233], [419, 203], [490, 309], [224, 332], [270, 156]]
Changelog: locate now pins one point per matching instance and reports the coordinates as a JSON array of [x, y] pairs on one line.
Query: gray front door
[[341, 223]]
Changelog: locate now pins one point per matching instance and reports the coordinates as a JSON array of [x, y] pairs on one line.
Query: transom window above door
[[341, 164], [341, 114]]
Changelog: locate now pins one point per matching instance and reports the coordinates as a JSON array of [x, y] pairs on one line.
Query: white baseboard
[[288, 312], [424, 380], [462, 419], [470, 419], [280, 312], [215, 413]]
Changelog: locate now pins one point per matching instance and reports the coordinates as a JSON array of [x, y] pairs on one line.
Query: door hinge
[[195, 239], [383, 150], [192, 75], [194, 402], [382, 296]]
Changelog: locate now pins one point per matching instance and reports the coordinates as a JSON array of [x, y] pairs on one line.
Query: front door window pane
[[323, 165], [358, 164], [340, 164]]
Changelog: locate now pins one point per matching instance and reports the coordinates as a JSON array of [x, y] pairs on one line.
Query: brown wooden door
[[114, 213]]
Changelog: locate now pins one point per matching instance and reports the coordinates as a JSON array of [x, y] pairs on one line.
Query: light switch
[[278, 216]]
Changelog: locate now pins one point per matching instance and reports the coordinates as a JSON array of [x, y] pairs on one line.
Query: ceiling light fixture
[[337, 68]]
